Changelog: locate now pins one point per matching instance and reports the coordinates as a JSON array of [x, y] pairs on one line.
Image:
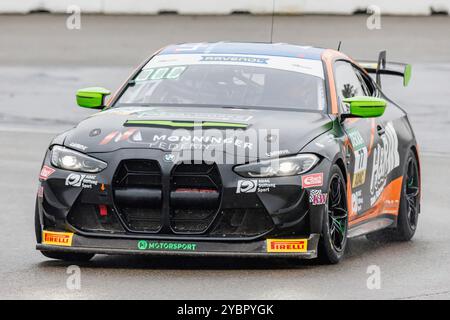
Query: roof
[[254, 48]]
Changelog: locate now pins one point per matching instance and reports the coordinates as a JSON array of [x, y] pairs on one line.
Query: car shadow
[[360, 248], [163, 262]]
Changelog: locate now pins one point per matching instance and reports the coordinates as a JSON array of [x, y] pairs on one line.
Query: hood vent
[[185, 124]]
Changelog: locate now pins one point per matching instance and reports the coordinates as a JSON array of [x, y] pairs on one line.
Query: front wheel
[[335, 223], [65, 256]]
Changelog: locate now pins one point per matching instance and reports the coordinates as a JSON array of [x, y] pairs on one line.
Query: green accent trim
[[366, 107], [407, 75], [92, 97], [142, 245], [166, 246], [185, 124]]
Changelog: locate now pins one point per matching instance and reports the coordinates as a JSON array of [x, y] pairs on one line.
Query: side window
[[366, 83], [348, 84]]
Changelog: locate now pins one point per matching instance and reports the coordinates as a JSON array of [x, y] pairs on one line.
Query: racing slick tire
[[408, 213], [66, 256], [333, 241]]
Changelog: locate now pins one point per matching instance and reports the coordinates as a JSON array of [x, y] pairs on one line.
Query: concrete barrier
[[223, 7]]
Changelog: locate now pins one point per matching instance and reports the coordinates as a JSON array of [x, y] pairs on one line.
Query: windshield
[[237, 81]]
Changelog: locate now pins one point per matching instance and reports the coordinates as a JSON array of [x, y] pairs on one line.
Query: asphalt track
[[42, 64]]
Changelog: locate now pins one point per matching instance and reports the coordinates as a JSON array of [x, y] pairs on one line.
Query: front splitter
[[114, 246]]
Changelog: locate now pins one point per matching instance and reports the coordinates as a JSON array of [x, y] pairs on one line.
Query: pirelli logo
[[287, 245], [57, 238]]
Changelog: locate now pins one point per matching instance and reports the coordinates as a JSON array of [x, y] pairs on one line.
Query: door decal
[[385, 159], [361, 154]]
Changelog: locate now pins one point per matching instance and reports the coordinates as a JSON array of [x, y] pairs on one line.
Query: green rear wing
[[389, 68]]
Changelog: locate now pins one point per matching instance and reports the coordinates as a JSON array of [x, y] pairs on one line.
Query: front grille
[[137, 194], [192, 202], [194, 197]]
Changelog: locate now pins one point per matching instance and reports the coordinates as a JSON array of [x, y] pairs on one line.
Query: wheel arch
[[414, 148], [340, 163]]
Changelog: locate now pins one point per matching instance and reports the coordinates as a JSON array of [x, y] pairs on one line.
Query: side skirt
[[372, 225]]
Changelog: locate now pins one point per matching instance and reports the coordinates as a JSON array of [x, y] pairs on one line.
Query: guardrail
[[224, 7]]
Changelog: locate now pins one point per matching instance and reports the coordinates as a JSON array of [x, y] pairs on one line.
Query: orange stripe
[[387, 203], [108, 138], [328, 57], [349, 199]]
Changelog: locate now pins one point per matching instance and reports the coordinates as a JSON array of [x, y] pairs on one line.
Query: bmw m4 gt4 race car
[[237, 149]]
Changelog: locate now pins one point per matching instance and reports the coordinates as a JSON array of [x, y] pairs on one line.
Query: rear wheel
[[335, 223], [408, 214]]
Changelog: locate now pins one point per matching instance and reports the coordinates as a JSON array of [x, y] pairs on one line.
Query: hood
[[255, 133]]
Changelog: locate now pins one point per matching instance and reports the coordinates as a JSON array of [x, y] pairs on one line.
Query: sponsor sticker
[[361, 156], [287, 245], [359, 178], [160, 73], [385, 159], [85, 181], [254, 185], [391, 206], [317, 197], [312, 180], [203, 140], [242, 59], [306, 66], [40, 192], [356, 139], [57, 238], [357, 201], [168, 246], [246, 186], [117, 136], [45, 173]]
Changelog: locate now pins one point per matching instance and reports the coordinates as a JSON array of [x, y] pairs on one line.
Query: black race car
[[237, 149]]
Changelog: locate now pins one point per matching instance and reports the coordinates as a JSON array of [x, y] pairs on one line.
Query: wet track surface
[[41, 66]]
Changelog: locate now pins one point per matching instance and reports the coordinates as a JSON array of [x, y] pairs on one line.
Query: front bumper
[[170, 206], [261, 248], [101, 214]]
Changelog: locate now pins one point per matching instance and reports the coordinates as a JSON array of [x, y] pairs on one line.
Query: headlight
[[75, 161], [281, 167]]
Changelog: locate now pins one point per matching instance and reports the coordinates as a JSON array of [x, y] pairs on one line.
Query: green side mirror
[[92, 97], [366, 107], [407, 75]]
